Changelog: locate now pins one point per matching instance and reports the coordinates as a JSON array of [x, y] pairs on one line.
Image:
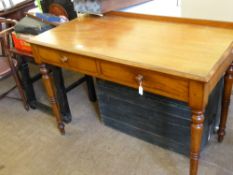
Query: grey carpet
[[32, 145]]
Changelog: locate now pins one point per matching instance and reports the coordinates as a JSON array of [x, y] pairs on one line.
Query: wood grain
[[52, 97], [181, 49], [77, 62], [162, 84], [205, 22], [173, 87], [197, 101], [182, 59], [196, 135]]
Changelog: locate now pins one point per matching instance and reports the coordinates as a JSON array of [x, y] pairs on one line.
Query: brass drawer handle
[[139, 79], [64, 59]]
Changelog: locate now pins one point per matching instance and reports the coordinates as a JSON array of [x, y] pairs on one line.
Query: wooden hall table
[[174, 57]]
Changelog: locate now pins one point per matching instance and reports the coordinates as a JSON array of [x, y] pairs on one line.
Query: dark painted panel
[[156, 119]]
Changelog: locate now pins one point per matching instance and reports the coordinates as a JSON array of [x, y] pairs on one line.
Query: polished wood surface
[[178, 87], [152, 82], [198, 97], [112, 37], [51, 95], [182, 60], [205, 22], [68, 60], [196, 135]]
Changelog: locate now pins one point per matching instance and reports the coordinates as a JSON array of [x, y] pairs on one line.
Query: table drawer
[[67, 60], [155, 82]]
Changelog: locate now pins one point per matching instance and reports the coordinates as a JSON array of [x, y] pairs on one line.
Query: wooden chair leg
[[20, 89], [18, 82]]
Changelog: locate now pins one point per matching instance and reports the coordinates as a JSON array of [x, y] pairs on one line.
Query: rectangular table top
[[184, 48]]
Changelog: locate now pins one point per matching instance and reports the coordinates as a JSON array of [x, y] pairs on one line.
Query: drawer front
[[154, 82], [67, 60]]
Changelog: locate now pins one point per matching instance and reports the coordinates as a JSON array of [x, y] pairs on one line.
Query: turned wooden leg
[[18, 82], [61, 94], [228, 81], [196, 138], [51, 94]]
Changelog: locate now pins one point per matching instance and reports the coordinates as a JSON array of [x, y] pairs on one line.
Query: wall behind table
[[208, 9]]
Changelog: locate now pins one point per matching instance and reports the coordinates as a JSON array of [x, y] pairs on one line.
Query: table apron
[[155, 82]]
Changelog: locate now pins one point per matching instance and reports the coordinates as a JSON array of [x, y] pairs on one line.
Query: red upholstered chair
[[8, 65]]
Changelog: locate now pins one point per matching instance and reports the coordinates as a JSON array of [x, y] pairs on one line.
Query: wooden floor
[[31, 145]]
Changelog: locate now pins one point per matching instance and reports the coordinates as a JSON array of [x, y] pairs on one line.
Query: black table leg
[[61, 94], [91, 88], [27, 83]]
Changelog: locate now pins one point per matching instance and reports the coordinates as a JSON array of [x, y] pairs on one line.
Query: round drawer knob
[[139, 78], [64, 59]]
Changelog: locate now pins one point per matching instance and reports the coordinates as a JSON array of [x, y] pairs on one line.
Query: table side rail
[[155, 82], [186, 20]]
